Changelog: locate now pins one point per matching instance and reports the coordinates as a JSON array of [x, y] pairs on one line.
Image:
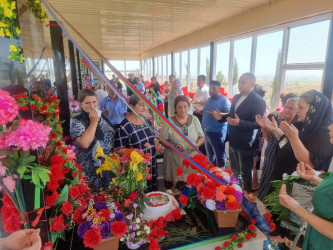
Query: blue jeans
[[215, 148], [241, 162]]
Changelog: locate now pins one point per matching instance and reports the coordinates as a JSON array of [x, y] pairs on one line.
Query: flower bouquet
[[102, 219], [74, 107]]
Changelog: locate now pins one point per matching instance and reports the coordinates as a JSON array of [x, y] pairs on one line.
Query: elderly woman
[[191, 127], [269, 130], [90, 129], [175, 90], [307, 139], [319, 233], [133, 133]]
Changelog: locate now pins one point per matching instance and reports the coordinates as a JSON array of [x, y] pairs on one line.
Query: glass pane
[[268, 61], [165, 73], [133, 66], [169, 67], [160, 69], [303, 80], [242, 60], [184, 67], [193, 69], [222, 63], [308, 43], [177, 65], [204, 61], [150, 68], [155, 66], [118, 64]]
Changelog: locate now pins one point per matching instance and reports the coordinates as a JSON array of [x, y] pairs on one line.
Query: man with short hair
[[130, 79], [200, 98], [243, 128], [215, 131], [114, 108], [139, 85]]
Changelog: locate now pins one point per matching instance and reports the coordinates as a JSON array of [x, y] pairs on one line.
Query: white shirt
[[239, 101], [202, 95]]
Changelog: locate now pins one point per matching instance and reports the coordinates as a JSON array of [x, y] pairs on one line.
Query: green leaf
[[35, 177], [44, 176], [63, 196], [21, 170], [62, 236], [75, 181], [28, 160], [53, 237]]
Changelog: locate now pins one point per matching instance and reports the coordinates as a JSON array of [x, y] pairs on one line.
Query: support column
[[212, 65], [328, 76], [79, 67], [60, 74], [73, 69]]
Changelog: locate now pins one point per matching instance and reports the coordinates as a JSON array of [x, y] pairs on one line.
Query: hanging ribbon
[[38, 187], [101, 75]]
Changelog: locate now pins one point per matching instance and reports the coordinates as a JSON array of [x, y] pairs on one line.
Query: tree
[[221, 78], [235, 72], [276, 81]]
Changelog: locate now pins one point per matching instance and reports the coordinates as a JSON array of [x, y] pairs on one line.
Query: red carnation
[[51, 199], [208, 193], [248, 236], [176, 214], [118, 228], [12, 224], [24, 108], [20, 96], [153, 244], [228, 171], [52, 185], [82, 188], [272, 226], [77, 216], [74, 192], [183, 200], [197, 180], [56, 173], [119, 206], [226, 243], [232, 205], [105, 213], [133, 196], [251, 227], [92, 238], [252, 221], [58, 224], [78, 166], [57, 160], [211, 184], [66, 208], [186, 163], [218, 248], [47, 246], [190, 179], [234, 237], [230, 190], [267, 217], [169, 217], [240, 245], [254, 235], [180, 171]]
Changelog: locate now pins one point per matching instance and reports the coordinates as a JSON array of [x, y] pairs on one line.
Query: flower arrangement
[[101, 220], [8, 108], [74, 107], [131, 171], [213, 195]]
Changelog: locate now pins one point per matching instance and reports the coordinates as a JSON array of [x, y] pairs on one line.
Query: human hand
[[180, 147], [93, 116], [307, 173], [216, 114], [23, 239], [105, 111], [233, 121], [261, 122], [287, 201], [271, 125], [289, 130]]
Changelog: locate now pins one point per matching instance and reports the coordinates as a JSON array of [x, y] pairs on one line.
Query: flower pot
[[111, 243], [226, 218], [131, 245]]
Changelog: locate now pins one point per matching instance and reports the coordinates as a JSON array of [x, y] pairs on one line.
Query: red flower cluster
[[180, 171], [183, 200], [92, 238], [132, 196], [57, 224], [10, 216], [118, 228]]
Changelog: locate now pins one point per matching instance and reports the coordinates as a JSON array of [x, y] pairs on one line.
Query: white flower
[[138, 233], [137, 220], [285, 176], [237, 187], [211, 204], [226, 176], [122, 239]]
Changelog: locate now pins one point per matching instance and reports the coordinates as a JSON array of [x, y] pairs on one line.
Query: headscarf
[[177, 88], [319, 115]]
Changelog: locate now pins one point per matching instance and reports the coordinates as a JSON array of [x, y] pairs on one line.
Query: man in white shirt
[[200, 98]]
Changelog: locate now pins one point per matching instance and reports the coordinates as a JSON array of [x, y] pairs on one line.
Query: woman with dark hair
[[191, 127], [90, 129], [307, 139], [133, 133]]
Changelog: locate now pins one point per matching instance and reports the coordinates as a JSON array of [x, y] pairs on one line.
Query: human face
[[110, 91], [214, 90], [153, 81], [182, 109], [140, 108], [289, 110], [245, 85], [171, 79], [38, 88], [89, 103], [302, 109], [200, 82]]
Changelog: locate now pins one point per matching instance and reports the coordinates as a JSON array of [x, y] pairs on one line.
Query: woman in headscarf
[[307, 140], [175, 91]]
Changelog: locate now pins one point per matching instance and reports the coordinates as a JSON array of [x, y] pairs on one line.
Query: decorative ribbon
[[37, 218], [38, 187], [101, 75]]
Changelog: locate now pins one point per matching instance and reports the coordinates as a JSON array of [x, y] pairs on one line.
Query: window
[[204, 61], [193, 69], [169, 67], [222, 63], [308, 43], [133, 66], [177, 65], [268, 61], [185, 68], [300, 81], [165, 73]]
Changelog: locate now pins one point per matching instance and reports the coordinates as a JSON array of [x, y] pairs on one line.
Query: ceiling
[[131, 27]]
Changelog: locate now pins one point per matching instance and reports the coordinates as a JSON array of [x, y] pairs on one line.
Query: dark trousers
[[202, 147], [241, 162], [215, 148]]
